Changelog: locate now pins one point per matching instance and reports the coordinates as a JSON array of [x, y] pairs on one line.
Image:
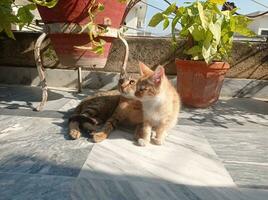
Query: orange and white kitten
[[161, 104]]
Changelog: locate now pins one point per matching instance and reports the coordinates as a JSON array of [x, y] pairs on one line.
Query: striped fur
[[107, 110]]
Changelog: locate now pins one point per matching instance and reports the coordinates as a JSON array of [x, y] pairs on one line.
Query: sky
[[245, 7]]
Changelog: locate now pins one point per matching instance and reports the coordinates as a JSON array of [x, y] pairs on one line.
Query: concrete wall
[[247, 61]]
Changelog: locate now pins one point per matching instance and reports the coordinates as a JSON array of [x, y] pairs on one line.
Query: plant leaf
[[239, 25], [207, 47], [172, 8], [202, 16], [189, 12], [100, 7], [7, 17], [180, 11], [197, 32], [9, 32], [195, 50], [24, 14], [98, 50], [166, 23], [102, 42], [215, 29], [220, 2], [173, 26], [156, 19]]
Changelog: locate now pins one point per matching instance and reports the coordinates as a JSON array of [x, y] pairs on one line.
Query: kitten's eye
[[131, 82], [142, 88]]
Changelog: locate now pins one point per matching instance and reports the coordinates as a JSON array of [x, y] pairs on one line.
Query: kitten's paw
[[136, 137], [142, 142], [157, 141], [99, 137], [74, 134]]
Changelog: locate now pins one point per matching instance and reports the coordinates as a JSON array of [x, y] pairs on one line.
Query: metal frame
[[41, 70], [74, 28]]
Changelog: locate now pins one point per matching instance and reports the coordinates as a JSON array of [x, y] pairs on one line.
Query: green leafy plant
[[208, 30], [22, 17]]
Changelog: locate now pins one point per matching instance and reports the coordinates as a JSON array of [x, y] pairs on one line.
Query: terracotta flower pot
[[75, 12], [199, 83]]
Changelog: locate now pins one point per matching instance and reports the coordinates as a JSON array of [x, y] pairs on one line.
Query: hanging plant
[[24, 17]]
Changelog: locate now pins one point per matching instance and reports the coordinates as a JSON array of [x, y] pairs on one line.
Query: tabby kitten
[[92, 112], [161, 104], [119, 107]]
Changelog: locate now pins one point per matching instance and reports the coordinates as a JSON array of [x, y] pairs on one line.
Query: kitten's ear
[[159, 73], [144, 70]]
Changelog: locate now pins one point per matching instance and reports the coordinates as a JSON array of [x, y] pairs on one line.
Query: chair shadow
[[25, 95]]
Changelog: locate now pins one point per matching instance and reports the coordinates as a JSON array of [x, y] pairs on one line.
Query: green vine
[[95, 30], [46, 3]]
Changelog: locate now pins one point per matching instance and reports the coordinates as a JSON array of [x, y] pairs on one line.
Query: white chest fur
[[152, 109]]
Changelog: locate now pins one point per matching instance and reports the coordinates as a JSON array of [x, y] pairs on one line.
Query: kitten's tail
[[82, 119], [88, 123]]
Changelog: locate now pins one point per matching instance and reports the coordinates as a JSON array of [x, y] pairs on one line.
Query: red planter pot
[[76, 12], [199, 83]]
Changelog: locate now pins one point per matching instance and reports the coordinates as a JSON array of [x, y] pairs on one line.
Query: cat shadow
[[122, 133], [65, 131], [126, 133]]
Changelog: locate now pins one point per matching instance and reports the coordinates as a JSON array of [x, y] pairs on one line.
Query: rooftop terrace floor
[[212, 154]]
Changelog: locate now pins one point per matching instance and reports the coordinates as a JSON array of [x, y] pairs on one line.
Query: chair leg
[[41, 71], [124, 66], [79, 72]]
